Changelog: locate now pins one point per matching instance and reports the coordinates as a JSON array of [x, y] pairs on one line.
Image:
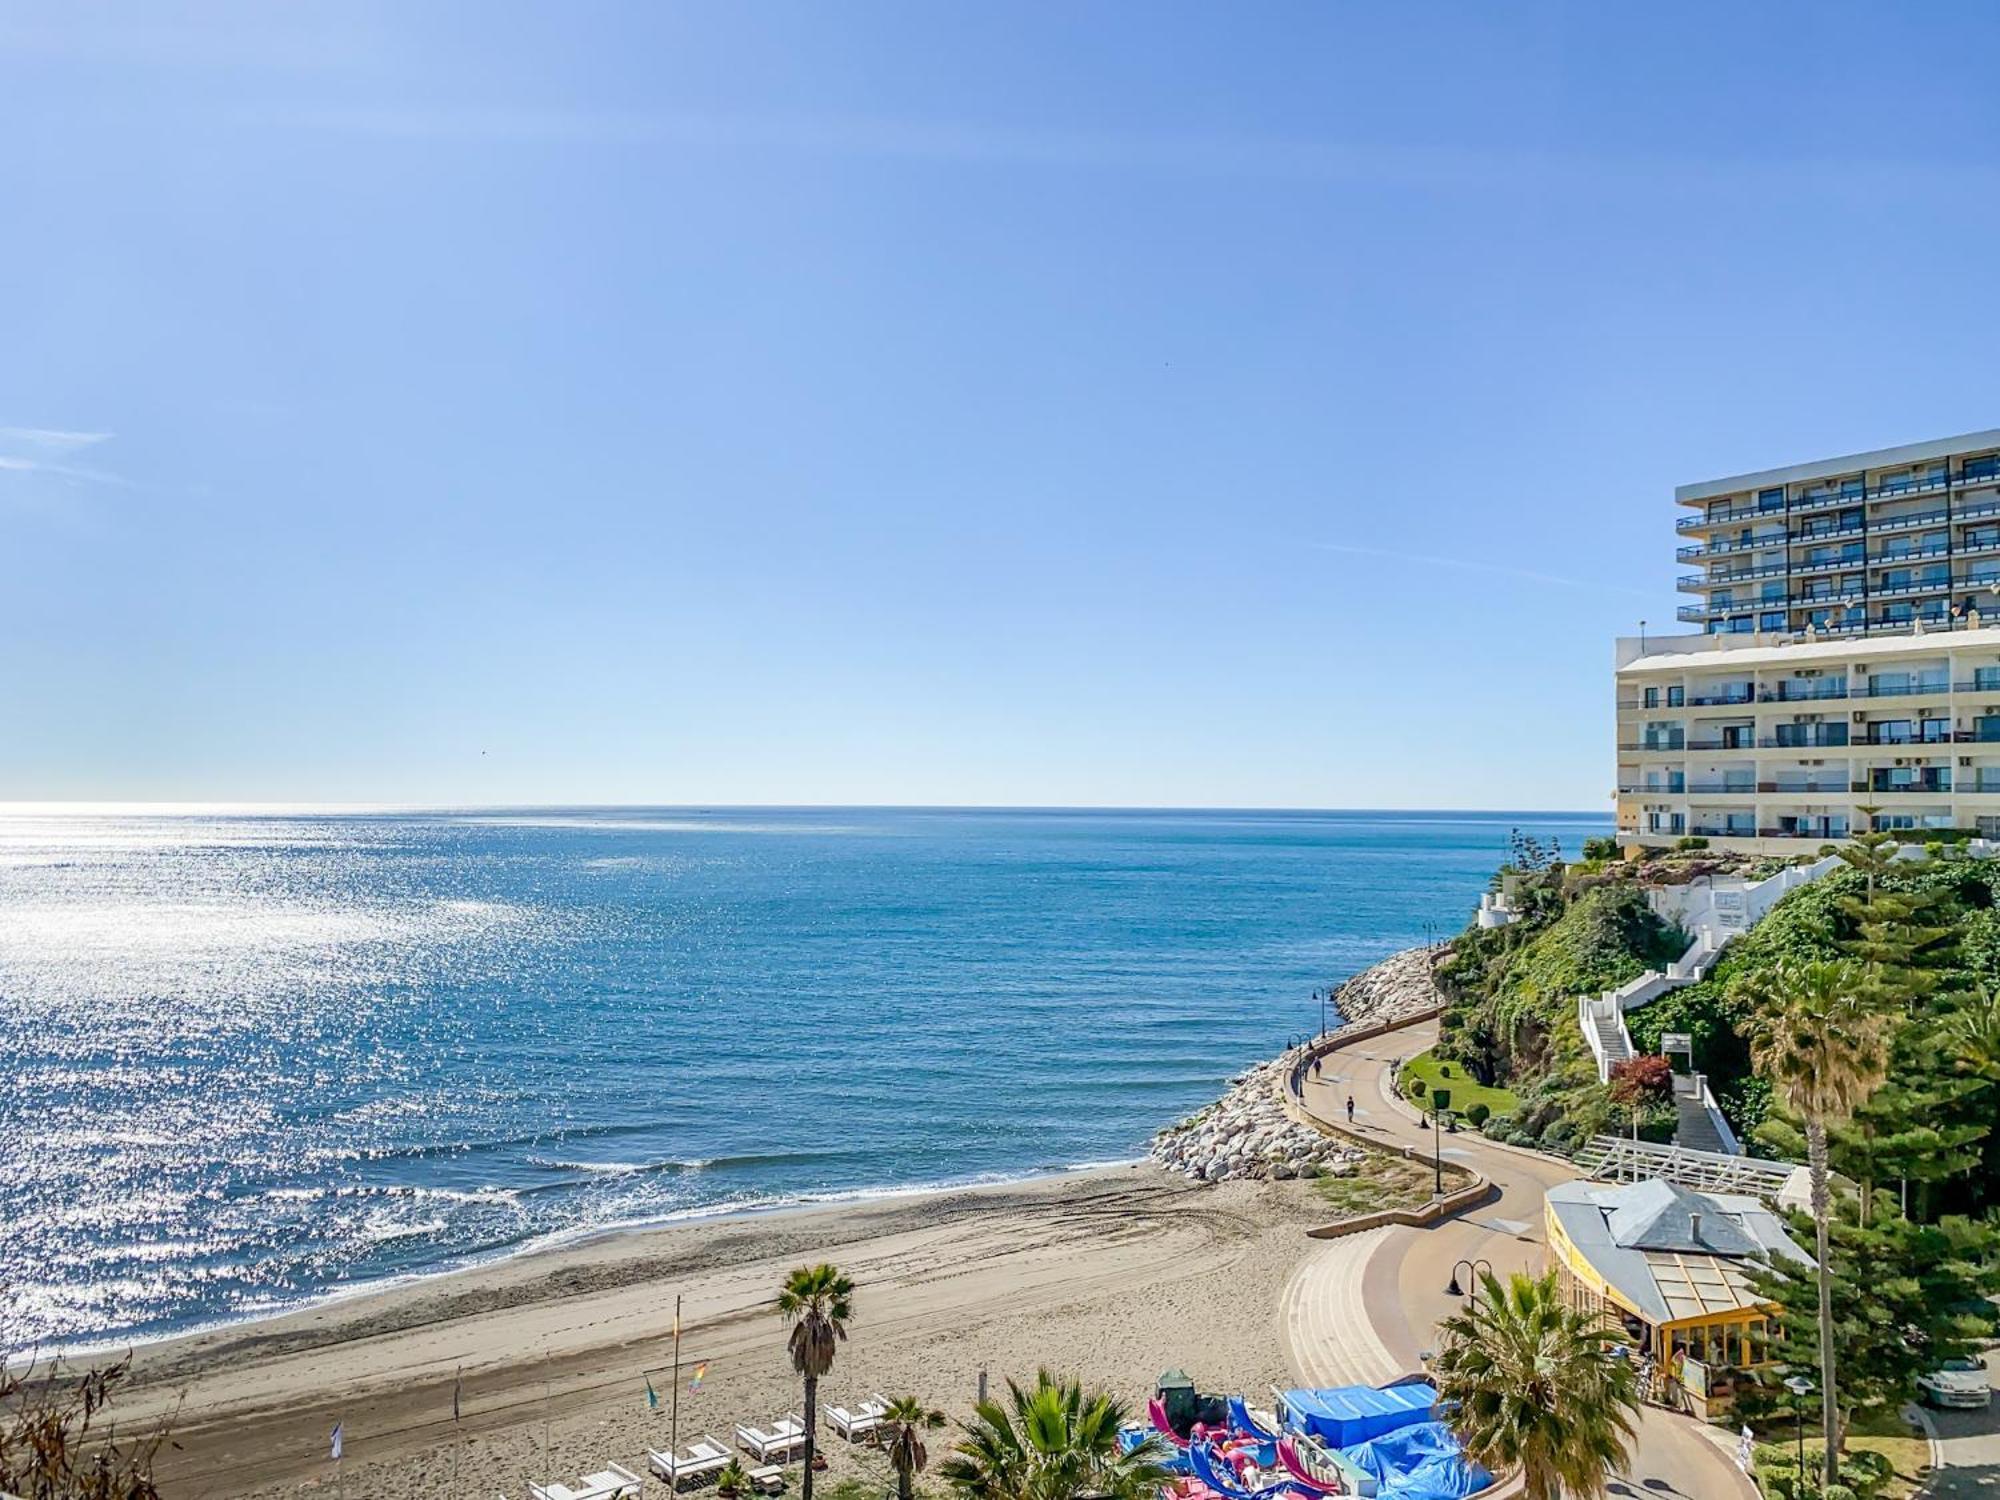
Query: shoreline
[[558, 1242], [1108, 1273]]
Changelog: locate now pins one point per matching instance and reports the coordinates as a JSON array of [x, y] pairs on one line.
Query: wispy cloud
[[51, 439], [1469, 565], [51, 451]]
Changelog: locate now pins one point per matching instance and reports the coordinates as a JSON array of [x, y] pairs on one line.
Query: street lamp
[[1471, 1276], [1800, 1387], [1440, 1102]]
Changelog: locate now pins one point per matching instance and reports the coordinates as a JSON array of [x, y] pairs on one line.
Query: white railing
[[1589, 1011], [1716, 1118], [1616, 1159]]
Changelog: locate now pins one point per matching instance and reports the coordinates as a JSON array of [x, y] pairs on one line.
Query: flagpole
[[674, 1423], [457, 1437]]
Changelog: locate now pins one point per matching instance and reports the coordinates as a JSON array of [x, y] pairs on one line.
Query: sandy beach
[[1111, 1275]]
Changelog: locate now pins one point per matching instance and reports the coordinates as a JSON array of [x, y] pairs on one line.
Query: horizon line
[[9, 808]]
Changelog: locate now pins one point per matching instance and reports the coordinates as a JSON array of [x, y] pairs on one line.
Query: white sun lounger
[[608, 1483], [856, 1424], [705, 1456], [768, 1480], [786, 1438]]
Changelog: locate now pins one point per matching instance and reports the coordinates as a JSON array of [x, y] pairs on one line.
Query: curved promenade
[[1363, 1308]]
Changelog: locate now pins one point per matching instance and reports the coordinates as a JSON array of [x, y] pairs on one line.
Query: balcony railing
[[1889, 556], [1727, 515], [1802, 692], [1721, 698], [1900, 590], [1803, 788], [1817, 835], [1722, 788], [1878, 689], [1979, 682], [1650, 791], [1695, 582], [1720, 548], [1935, 517], [1926, 788], [1827, 742], [1820, 533]]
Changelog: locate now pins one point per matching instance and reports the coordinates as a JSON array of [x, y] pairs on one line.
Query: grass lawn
[[1382, 1180], [1464, 1091], [1882, 1432]]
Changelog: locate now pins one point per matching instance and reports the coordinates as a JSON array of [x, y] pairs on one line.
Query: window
[[1771, 499], [1651, 699], [1677, 696], [1739, 624], [1771, 620]]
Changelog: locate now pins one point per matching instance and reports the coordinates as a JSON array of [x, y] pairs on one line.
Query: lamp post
[[1471, 1276], [1440, 1102], [1800, 1387]]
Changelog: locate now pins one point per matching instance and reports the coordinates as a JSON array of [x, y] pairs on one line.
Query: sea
[[258, 1058]]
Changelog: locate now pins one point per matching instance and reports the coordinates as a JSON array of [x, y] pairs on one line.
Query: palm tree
[[1051, 1441], [906, 1421], [817, 1301], [1823, 1049], [1528, 1384]]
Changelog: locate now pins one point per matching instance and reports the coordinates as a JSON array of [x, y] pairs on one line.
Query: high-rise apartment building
[[1848, 656]]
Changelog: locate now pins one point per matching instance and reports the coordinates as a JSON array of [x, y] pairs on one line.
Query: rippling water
[[257, 1058]]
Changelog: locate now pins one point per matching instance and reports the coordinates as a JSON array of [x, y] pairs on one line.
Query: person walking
[[1350, 1109]]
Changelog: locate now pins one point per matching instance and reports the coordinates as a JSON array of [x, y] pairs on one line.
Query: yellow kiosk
[[1668, 1269]]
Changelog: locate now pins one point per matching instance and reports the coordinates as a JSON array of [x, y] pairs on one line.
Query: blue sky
[[1108, 404]]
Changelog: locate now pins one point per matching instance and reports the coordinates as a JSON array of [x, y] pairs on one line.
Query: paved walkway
[[1372, 1302]]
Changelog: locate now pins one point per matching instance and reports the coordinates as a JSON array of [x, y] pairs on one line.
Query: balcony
[[1938, 787], [1827, 598], [1982, 681], [1670, 746], [1891, 555], [1719, 549], [1880, 689], [1722, 697], [1649, 791], [1803, 692], [1924, 586], [1696, 582], [1728, 516], [1831, 737], [1804, 788], [1934, 517], [1820, 533], [1833, 829], [1722, 788], [1832, 564]]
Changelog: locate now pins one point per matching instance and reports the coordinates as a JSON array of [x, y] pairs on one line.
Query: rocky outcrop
[[1246, 1133]]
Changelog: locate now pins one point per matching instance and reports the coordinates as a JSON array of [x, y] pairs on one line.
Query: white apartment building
[[1849, 656]]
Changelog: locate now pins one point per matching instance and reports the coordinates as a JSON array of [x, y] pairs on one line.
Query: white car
[[1958, 1382]]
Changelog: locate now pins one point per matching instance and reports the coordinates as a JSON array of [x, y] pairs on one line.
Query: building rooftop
[[1678, 652], [1827, 468], [1668, 1251]]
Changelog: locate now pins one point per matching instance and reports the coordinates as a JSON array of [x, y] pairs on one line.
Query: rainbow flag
[[700, 1374]]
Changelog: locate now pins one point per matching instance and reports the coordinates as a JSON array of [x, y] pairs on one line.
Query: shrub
[[1600, 848], [1477, 1114], [1692, 842], [1418, 1088], [1643, 1079]]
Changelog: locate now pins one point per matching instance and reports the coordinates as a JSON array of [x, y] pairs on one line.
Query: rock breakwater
[[1246, 1133]]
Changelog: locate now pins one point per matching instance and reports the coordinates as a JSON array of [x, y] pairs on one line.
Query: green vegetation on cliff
[[1511, 1020]]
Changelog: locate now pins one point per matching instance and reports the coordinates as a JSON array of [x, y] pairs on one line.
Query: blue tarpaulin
[[1347, 1415], [1449, 1476], [1404, 1451]]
